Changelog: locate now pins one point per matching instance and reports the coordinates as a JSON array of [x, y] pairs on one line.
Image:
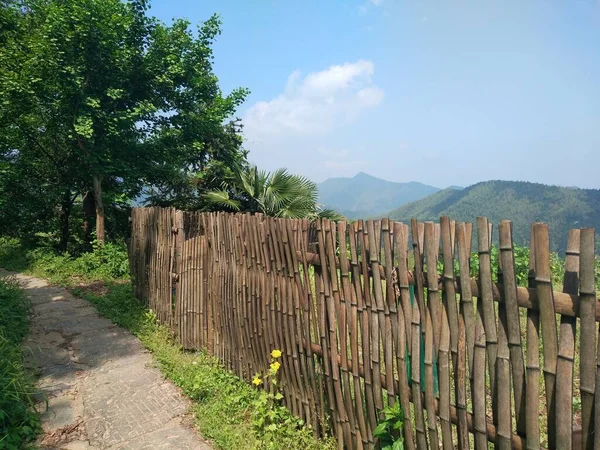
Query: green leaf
[[399, 444], [381, 430]]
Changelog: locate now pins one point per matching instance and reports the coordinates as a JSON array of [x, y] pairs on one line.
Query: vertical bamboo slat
[[327, 335], [487, 305], [566, 348], [479, 345], [404, 312], [377, 311], [365, 290], [503, 378], [389, 309], [434, 320], [350, 315], [513, 323], [465, 317], [533, 361], [417, 321], [587, 294], [548, 321]]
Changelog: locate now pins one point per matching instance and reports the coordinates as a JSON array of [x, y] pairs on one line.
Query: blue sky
[[445, 93]]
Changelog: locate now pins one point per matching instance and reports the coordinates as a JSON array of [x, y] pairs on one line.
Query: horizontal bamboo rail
[[564, 303]]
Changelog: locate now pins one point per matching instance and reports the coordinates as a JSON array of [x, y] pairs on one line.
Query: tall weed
[[19, 423]]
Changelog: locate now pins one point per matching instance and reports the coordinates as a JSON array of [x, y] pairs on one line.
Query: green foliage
[[524, 203], [106, 262], [272, 421], [521, 255], [19, 422], [13, 255], [276, 194], [389, 429], [99, 89]]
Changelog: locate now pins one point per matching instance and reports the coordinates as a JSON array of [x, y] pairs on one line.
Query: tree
[[277, 194], [97, 96]]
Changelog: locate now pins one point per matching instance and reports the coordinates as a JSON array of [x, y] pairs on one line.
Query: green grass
[[19, 422], [224, 406]]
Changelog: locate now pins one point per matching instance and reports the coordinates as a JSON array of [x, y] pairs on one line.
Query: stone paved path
[[100, 384]]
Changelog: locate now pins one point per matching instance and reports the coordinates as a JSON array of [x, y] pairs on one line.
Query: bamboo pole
[[366, 323], [337, 323], [327, 336], [417, 320], [548, 321], [587, 382], [501, 402], [479, 349], [566, 349], [513, 323], [533, 361], [459, 361], [389, 310], [349, 296], [448, 284], [434, 321], [487, 305], [404, 312]]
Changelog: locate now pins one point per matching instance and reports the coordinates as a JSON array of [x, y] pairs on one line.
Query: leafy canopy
[[98, 89]]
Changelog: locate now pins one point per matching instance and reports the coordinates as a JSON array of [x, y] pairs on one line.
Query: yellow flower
[[275, 367], [256, 380], [276, 353]]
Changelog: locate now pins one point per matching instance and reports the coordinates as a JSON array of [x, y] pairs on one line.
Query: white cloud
[[376, 2], [315, 104]]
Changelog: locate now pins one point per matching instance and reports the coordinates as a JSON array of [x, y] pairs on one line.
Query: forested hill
[[561, 208], [364, 195]]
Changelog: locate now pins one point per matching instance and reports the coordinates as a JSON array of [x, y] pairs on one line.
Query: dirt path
[[102, 389]]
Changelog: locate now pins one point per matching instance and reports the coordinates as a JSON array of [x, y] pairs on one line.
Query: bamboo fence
[[375, 312]]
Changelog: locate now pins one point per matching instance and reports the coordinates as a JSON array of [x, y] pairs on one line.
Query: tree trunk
[[65, 212], [99, 209], [89, 211]]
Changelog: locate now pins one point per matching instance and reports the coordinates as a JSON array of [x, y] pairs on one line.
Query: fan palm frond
[[328, 213], [222, 199]]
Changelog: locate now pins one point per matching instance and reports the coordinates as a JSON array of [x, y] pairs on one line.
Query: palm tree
[[276, 194]]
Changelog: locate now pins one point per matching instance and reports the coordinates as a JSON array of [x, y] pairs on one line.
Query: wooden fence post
[[178, 241]]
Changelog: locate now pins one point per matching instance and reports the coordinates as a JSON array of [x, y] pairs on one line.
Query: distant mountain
[[561, 208], [365, 196]]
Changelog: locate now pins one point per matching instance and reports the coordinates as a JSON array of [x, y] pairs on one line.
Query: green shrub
[[105, 262], [13, 255], [19, 423], [108, 261]]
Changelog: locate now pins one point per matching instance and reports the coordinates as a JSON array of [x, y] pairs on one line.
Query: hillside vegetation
[[364, 195], [560, 207]]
